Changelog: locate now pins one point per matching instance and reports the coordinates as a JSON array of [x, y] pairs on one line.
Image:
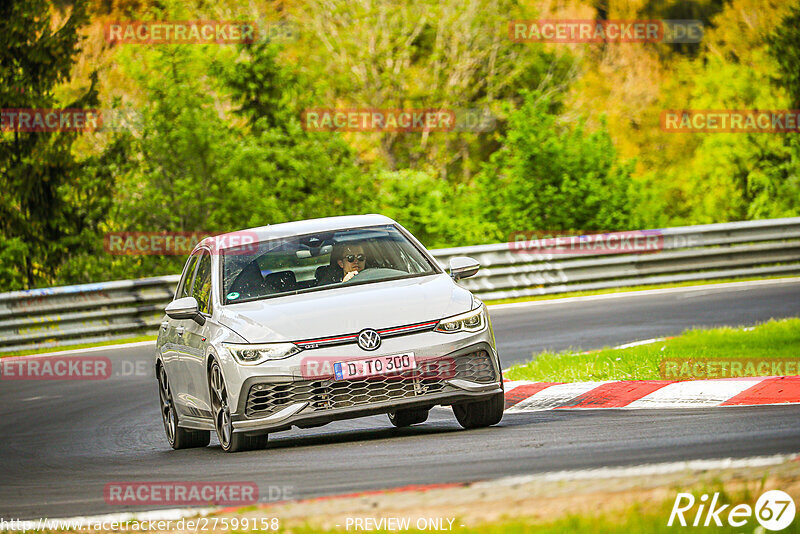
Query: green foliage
[[220, 145], [699, 178], [785, 48], [551, 175], [288, 172], [737, 176], [268, 93], [777, 187], [419, 55], [437, 213], [48, 204], [183, 146], [194, 166], [14, 252]]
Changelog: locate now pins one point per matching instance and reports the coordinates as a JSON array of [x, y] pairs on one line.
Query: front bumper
[[469, 373]]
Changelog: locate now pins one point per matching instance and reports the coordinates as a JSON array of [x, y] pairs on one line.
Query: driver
[[352, 260]]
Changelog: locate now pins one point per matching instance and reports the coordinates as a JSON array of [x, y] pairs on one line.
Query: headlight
[[255, 354], [473, 321]]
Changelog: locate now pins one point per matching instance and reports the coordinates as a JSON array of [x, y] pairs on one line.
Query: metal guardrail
[[59, 316]]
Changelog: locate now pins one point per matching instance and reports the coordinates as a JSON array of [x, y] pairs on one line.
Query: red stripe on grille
[[354, 336], [327, 339], [400, 328]]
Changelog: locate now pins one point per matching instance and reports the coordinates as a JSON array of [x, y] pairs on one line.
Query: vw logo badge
[[369, 339]]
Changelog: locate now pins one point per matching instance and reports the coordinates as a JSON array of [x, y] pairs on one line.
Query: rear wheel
[[230, 441], [408, 417], [178, 438], [482, 413]]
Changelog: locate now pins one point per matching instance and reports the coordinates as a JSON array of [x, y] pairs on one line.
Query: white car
[[303, 323]]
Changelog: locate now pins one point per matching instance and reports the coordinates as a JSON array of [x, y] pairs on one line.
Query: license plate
[[381, 365]]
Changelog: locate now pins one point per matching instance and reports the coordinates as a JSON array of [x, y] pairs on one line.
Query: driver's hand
[[349, 275]]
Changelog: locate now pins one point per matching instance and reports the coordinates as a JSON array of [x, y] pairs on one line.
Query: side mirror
[[185, 308], [463, 267]]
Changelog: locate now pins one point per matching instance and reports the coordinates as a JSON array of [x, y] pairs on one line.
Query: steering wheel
[[375, 273]]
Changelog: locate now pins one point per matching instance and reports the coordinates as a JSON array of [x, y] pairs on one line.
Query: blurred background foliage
[[216, 142]]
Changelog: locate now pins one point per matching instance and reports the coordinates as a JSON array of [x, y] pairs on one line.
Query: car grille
[[475, 367], [430, 377]]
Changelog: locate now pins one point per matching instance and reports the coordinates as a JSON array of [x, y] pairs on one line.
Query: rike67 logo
[[774, 510]]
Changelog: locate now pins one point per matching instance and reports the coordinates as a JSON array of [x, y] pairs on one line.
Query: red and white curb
[[524, 396]]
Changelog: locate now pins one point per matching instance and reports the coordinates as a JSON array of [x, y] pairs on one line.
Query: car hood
[[347, 310]]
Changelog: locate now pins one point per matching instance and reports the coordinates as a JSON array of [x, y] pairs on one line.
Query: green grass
[[633, 289], [771, 340], [79, 346]]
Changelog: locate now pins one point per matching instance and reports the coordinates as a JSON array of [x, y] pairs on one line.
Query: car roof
[[289, 229]]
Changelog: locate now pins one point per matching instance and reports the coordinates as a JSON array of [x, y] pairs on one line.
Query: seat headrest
[[281, 281]]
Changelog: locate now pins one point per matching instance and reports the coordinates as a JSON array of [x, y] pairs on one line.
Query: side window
[[186, 282], [202, 283]]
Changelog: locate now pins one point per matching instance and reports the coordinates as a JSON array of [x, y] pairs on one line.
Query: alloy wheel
[[219, 404], [167, 411]]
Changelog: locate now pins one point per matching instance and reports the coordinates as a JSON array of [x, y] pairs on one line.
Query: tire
[[178, 438], [480, 414], [408, 417], [228, 439]]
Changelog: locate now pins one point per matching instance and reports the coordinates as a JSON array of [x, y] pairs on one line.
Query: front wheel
[[230, 441], [478, 414], [178, 438]]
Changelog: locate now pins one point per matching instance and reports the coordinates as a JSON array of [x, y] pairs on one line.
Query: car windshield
[[315, 262]]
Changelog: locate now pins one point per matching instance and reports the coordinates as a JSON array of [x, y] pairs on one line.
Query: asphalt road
[[62, 442]]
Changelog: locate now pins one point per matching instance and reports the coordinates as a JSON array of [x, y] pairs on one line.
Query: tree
[[738, 176], [290, 172], [220, 153], [44, 209], [778, 194], [439, 214], [554, 176], [429, 54]]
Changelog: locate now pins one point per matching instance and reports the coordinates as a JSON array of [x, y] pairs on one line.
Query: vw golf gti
[[308, 322]]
